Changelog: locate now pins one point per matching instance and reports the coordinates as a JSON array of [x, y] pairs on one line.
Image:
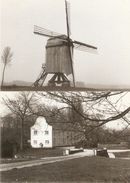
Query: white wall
[[41, 134]]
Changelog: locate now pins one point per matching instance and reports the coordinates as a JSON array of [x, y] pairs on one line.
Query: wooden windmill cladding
[[57, 56]]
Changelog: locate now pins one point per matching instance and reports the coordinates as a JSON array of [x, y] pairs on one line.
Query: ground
[[87, 169], [58, 88], [122, 154]]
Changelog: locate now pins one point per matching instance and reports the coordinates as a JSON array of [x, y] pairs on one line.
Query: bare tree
[[99, 107], [20, 106], [6, 59]]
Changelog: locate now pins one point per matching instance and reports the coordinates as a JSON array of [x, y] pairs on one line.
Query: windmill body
[[59, 54]]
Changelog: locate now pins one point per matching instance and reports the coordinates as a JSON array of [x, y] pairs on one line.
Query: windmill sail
[[84, 47], [45, 32], [67, 7]]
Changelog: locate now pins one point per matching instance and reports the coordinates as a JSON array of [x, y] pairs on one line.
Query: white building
[[41, 134], [57, 134]]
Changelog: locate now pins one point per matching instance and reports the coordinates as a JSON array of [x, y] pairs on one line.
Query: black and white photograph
[[65, 91], [65, 136], [48, 44]]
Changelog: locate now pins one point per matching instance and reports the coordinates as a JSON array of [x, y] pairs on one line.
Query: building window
[[35, 132], [46, 132], [46, 141], [35, 141]]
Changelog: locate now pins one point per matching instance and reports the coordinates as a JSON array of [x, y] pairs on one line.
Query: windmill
[[59, 54]]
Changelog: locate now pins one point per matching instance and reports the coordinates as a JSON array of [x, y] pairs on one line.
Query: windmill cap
[[59, 41], [62, 36]]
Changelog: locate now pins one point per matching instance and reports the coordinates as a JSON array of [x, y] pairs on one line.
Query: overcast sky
[[102, 23]]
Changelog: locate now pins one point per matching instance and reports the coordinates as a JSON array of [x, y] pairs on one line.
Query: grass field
[[123, 154], [87, 169]]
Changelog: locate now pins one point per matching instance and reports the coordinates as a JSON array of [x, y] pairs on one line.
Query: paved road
[[10, 166]]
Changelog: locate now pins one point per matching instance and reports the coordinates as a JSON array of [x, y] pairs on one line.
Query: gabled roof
[[40, 124]]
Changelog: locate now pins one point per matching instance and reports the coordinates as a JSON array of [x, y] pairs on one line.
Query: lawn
[[86, 169], [13, 160], [123, 154]]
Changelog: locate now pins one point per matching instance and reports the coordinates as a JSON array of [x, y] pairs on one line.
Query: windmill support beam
[[59, 78]]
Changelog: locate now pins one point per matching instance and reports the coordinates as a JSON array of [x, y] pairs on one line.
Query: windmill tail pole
[[72, 64]]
